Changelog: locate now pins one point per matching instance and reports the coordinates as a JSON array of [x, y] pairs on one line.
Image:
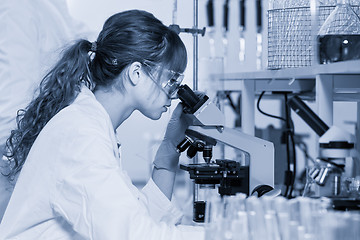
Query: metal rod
[[174, 13], [195, 79], [196, 48]]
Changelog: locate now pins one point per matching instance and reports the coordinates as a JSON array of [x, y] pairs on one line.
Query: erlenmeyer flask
[[339, 36]]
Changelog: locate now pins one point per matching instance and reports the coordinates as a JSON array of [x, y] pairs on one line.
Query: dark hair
[[126, 37]]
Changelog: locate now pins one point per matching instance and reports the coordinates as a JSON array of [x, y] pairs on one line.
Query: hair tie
[[93, 47]]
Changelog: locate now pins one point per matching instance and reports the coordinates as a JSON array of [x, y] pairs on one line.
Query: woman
[[71, 184]]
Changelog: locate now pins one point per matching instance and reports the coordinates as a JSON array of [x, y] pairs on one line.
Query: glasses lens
[[172, 85]]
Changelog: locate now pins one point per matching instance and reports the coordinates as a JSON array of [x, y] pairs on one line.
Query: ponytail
[[57, 90]]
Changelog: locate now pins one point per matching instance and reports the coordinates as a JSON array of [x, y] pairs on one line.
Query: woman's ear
[[135, 73]]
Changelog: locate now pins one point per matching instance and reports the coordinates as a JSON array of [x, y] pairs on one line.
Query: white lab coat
[[72, 186], [32, 34]]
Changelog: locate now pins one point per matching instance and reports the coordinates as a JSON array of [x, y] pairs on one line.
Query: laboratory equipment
[[195, 31], [211, 26], [352, 186], [177, 29], [335, 145], [174, 12], [206, 131], [204, 192], [228, 175], [292, 31], [242, 30], [225, 27], [247, 218], [339, 36], [258, 34]]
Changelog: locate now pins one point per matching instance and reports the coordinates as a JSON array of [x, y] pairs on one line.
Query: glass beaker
[[339, 37], [204, 192]]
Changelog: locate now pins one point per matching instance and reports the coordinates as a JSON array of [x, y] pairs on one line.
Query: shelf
[[272, 85], [346, 67], [345, 78], [324, 83]]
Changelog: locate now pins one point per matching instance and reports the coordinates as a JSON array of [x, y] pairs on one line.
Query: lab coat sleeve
[[160, 207], [97, 202]]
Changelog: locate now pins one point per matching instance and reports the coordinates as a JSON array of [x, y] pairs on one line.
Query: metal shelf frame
[[331, 82]]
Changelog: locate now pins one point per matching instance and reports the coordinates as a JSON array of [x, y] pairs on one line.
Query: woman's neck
[[116, 104]]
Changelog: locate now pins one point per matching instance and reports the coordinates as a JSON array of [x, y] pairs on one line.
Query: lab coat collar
[[87, 95]]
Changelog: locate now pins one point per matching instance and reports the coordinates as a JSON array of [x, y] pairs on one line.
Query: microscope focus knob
[[184, 145], [191, 152], [197, 146], [261, 190]]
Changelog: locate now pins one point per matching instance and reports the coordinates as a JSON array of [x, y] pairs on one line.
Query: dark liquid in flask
[[335, 48]]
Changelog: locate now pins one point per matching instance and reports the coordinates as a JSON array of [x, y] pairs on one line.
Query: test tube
[[214, 213], [282, 212], [225, 26], [258, 35], [256, 219], [271, 224], [242, 30], [239, 221], [211, 25]]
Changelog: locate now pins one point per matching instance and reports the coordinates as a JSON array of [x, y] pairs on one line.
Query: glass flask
[[339, 36]]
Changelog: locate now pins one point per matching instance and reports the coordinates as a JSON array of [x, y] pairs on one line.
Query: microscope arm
[[261, 151], [208, 122]]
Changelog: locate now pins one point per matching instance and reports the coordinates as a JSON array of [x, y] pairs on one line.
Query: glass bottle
[[339, 36]]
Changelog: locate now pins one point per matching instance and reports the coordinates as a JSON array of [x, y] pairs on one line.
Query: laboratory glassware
[[339, 36], [204, 192]]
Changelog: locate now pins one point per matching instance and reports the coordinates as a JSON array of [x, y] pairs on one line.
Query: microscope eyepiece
[[191, 101], [196, 146]]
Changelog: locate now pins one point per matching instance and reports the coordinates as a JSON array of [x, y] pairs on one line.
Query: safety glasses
[[171, 86]]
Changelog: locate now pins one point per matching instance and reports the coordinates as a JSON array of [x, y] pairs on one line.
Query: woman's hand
[[179, 122], [167, 156]]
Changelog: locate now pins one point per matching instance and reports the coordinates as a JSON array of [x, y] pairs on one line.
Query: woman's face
[[154, 101], [156, 90]]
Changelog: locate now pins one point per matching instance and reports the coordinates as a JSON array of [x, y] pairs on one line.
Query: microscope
[[230, 176], [335, 145]]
